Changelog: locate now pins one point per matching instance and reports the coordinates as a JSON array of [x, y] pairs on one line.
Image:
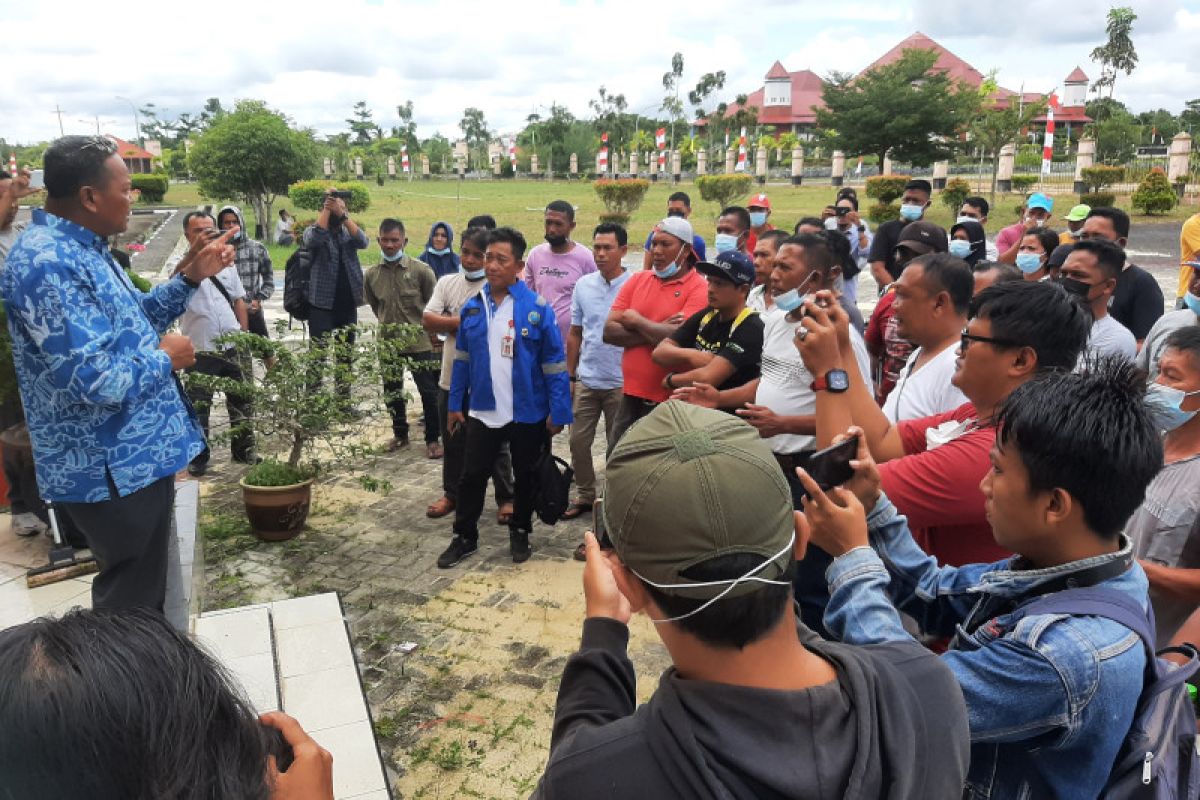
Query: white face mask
[[831, 223], [963, 218], [392, 259]]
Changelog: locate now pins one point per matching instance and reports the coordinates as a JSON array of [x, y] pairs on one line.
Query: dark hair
[[680, 197], [390, 224], [191, 215], [839, 245], [106, 704], [514, 238], [1187, 340], [562, 207], [283, 213], [477, 236], [814, 221], [776, 236], [1118, 218], [743, 216], [978, 202], [1039, 315], [731, 622], [920, 185], [73, 162], [1088, 433], [848, 191], [1047, 238], [946, 273], [1007, 272], [236, 216], [482, 221], [1109, 258], [852, 199], [615, 229], [818, 254], [1059, 255], [976, 237]]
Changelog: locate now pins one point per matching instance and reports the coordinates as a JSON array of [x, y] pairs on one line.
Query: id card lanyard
[[506, 344]]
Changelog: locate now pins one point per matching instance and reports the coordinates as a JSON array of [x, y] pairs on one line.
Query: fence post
[[730, 155], [1084, 158], [633, 164], [358, 168], [760, 164], [676, 165], [327, 167], [1177, 164], [1008, 155], [496, 165], [701, 162], [533, 165], [887, 165], [797, 165], [391, 167], [424, 167], [940, 170], [839, 168]]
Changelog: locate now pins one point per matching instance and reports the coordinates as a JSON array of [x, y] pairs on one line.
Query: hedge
[[955, 194], [1096, 199], [1154, 194], [883, 212], [311, 195], [886, 188], [724, 189], [621, 197], [1023, 183], [153, 187], [1101, 175]]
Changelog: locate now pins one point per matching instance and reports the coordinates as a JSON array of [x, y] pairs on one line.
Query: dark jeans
[[258, 323], [630, 411], [322, 323], [425, 375], [454, 451], [129, 537], [19, 471], [238, 406], [527, 440], [809, 586]]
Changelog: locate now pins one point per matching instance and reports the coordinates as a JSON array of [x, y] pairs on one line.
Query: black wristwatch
[[862, 228], [189, 281], [835, 381]]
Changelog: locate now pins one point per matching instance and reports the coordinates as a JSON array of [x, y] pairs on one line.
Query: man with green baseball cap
[[704, 544], [1074, 219]]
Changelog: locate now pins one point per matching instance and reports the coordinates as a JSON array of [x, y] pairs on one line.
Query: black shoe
[[518, 545], [459, 549], [197, 470], [251, 460]]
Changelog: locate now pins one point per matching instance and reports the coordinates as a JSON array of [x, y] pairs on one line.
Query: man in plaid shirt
[[253, 266]]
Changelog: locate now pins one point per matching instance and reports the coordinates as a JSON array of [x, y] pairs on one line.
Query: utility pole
[[58, 111], [137, 126]]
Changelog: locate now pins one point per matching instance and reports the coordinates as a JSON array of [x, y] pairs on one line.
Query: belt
[[789, 461], [643, 402]]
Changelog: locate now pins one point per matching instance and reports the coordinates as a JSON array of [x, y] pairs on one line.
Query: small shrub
[[956, 192], [275, 473], [886, 188], [1023, 183], [723, 190], [311, 194], [1096, 199], [883, 212], [1101, 175], [623, 196], [1154, 194], [620, 219], [153, 187]]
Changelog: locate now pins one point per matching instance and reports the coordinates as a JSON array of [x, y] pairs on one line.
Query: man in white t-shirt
[[932, 295], [761, 297], [1091, 272]]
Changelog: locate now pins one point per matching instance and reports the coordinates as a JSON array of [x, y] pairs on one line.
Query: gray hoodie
[[253, 261]]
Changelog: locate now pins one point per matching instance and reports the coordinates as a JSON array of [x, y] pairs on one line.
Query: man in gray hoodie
[[704, 543], [253, 266]]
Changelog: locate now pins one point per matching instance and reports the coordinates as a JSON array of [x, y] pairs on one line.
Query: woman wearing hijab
[[968, 242], [439, 253]]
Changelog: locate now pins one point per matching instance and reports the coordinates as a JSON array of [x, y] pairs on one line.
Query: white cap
[[678, 227]]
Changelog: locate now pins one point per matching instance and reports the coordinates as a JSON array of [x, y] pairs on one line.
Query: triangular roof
[[806, 93], [777, 72], [129, 150], [1076, 77], [946, 62]]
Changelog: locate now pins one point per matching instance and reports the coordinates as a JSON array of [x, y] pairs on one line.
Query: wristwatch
[[836, 381], [189, 281]]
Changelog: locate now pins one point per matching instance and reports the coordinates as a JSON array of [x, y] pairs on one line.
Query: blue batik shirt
[[100, 397]]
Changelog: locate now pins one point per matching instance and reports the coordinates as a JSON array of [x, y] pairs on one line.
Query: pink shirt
[[553, 276], [1009, 236]]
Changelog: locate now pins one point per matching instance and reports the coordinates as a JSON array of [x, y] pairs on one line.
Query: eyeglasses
[[968, 337]]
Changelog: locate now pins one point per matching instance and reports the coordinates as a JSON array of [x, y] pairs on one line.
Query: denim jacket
[[1049, 700]]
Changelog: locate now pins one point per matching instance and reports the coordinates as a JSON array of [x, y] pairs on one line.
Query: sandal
[[580, 553], [504, 514], [440, 509], [577, 509]]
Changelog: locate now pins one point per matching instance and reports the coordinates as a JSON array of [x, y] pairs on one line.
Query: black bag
[[552, 493], [297, 274]]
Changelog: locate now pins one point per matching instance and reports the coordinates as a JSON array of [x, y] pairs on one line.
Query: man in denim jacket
[[1051, 697]]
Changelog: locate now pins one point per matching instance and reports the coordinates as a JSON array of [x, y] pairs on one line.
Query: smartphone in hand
[[601, 528], [831, 467]]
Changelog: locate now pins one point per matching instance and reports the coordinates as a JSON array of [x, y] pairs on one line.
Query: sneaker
[[459, 549], [397, 443], [27, 524], [197, 470], [518, 545], [433, 450]]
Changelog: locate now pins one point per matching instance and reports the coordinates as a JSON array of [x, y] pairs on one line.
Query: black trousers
[[258, 322], [630, 411], [238, 406], [527, 440], [425, 375], [321, 324], [454, 447], [129, 538], [809, 586]]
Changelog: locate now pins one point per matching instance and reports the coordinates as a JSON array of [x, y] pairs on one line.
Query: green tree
[[438, 149], [994, 127], [611, 116], [671, 102], [708, 83], [475, 131], [362, 124], [1158, 126], [904, 107], [1117, 54], [1190, 117], [406, 131], [211, 113], [252, 154]]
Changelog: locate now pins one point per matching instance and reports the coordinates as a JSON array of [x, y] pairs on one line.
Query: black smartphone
[[843, 211], [342, 194], [831, 467], [277, 746], [601, 529]]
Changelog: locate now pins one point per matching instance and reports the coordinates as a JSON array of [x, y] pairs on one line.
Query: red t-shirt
[[656, 300], [938, 490], [884, 343]]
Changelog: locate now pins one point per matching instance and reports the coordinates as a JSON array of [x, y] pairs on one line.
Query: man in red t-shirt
[[932, 467], [649, 307]]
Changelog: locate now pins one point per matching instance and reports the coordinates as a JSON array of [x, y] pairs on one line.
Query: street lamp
[[137, 126]]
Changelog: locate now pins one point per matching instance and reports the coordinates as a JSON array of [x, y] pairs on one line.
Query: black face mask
[[675, 212], [1076, 287], [556, 241]]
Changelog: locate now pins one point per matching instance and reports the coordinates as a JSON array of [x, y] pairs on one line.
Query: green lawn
[[518, 203]]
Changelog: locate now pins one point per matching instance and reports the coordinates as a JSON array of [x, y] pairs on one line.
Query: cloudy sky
[[313, 60]]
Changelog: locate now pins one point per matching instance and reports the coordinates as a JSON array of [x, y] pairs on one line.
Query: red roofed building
[[137, 159], [786, 99], [946, 62]]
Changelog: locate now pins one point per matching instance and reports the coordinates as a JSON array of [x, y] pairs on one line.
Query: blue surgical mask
[[758, 218], [1163, 402], [963, 219], [1029, 263], [667, 271], [392, 259], [726, 242], [789, 300], [960, 248], [911, 211], [472, 274], [441, 252], [1193, 302]]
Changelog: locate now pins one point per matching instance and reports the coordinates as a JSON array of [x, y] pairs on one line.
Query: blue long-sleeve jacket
[[540, 384], [99, 395], [1049, 700]]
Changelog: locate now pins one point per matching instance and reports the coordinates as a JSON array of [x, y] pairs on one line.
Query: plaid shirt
[[332, 251], [255, 269]]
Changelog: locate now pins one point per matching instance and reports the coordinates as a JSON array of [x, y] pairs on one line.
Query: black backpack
[[297, 274], [552, 494]]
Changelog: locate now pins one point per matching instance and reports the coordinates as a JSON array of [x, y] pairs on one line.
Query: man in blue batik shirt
[[107, 420]]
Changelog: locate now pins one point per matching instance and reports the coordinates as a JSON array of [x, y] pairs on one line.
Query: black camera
[[341, 194], [843, 210]]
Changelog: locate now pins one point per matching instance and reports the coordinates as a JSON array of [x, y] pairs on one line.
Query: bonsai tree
[[885, 189], [956, 192], [723, 190], [620, 197], [1154, 194]]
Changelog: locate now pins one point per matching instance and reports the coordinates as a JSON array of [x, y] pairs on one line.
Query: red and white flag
[[602, 157], [660, 138], [404, 165], [1048, 145], [741, 159], [12, 164], [512, 155]]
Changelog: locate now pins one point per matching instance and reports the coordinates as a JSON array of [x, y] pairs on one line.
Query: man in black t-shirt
[[1137, 302], [913, 205], [721, 345]]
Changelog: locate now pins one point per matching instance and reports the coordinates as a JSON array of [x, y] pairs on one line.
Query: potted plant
[[302, 423]]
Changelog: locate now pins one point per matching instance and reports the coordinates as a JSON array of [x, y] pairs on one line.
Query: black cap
[[732, 265], [1058, 256], [923, 237]]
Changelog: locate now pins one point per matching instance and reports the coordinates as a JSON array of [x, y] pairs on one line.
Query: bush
[[620, 219], [956, 192], [886, 188], [1023, 183], [1101, 175], [1096, 199], [272, 472], [153, 187], [723, 190], [621, 197], [883, 212], [311, 194], [1154, 194]]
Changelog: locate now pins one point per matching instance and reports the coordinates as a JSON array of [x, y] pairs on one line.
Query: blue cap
[[1039, 200], [732, 265]]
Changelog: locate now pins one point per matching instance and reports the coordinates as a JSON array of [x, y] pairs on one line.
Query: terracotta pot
[[277, 513]]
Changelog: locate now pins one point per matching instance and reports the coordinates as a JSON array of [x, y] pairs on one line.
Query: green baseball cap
[[1078, 213], [688, 484]]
